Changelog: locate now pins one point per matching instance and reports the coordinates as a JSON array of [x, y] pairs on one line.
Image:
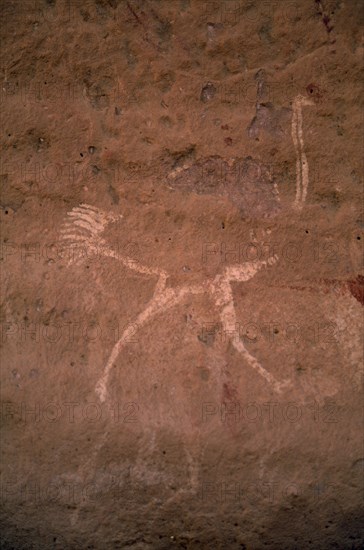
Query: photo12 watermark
[[71, 412], [257, 492], [270, 332], [64, 491], [70, 251], [271, 412], [227, 253], [38, 11], [68, 332], [50, 93], [58, 174], [231, 12]]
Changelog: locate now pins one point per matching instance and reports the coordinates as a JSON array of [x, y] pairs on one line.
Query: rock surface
[[182, 274]]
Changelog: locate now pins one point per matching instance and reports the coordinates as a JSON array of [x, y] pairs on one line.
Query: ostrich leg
[[228, 318], [161, 302], [225, 302]]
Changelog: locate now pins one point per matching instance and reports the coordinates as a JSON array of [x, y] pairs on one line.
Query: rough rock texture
[[214, 147]]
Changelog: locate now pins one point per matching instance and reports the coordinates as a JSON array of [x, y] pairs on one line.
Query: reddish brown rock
[[153, 153]]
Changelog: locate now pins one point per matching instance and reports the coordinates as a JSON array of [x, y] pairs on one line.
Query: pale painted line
[[98, 224], [158, 304], [87, 226], [134, 265], [88, 207], [302, 173]]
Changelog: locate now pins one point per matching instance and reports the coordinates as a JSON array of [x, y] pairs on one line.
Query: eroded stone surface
[[167, 141], [245, 182]]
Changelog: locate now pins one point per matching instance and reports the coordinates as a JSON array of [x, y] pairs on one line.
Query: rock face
[[182, 274], [245, 182]]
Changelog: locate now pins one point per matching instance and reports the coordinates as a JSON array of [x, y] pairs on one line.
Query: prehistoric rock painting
[[86, 225], [246, 182], [301, 159]]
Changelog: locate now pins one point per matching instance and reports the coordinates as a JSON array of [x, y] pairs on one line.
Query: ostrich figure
[[86, 224]]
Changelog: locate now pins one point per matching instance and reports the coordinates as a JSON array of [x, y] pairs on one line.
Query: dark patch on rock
[[356, 288], [274, 121], [246, 182], [113, 194], [207, 92]]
